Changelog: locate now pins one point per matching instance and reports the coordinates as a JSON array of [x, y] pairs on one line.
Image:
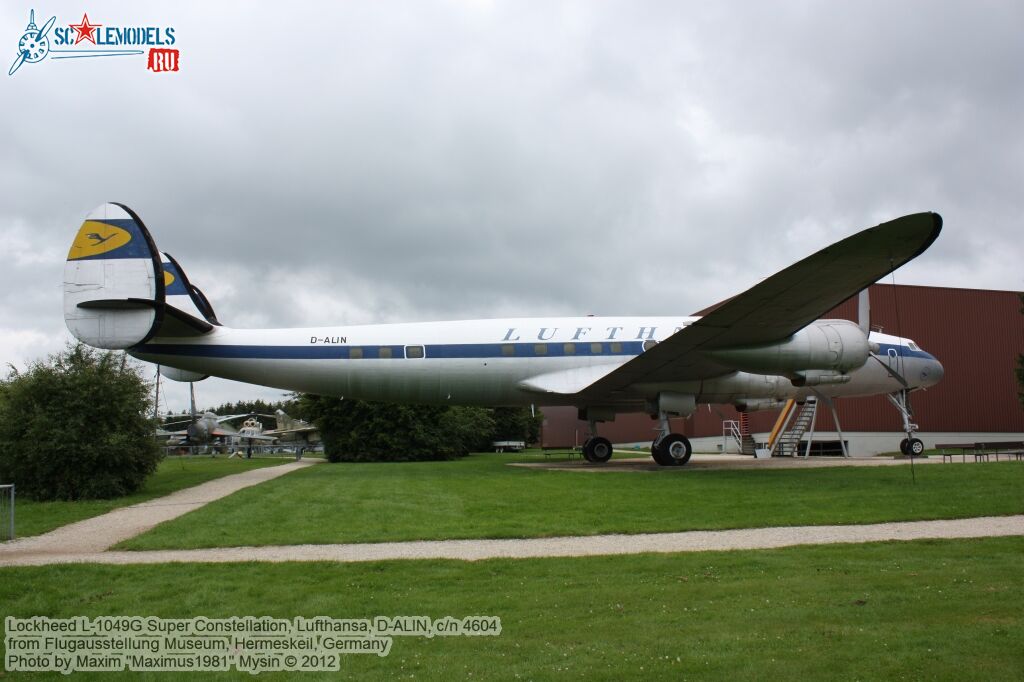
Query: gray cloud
[[377, 162]]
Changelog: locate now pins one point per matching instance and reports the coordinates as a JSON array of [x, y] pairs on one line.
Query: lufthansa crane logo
[[98, 238], [95, 238]]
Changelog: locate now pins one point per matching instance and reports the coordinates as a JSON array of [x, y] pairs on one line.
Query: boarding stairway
[[791, 435], [786, 436], [747, 444], [739, 432]]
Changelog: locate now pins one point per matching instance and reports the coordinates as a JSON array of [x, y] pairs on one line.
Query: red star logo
[[85, 30]]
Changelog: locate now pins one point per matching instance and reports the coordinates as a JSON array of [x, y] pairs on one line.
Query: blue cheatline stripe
[[450, 350], [902, 351]]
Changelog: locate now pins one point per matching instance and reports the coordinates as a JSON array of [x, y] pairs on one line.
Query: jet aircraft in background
[[761, 346], [290, 430], [209, 427]]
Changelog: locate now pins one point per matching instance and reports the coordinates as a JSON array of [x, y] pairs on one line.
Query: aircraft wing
[[296, 429], [261, 437], [228, 417], [224, 433], [775, 308]]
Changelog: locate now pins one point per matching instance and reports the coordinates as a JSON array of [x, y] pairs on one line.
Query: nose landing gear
[[910, 446]]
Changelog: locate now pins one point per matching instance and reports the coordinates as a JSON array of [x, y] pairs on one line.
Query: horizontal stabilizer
[[118, 304], [175, 322]]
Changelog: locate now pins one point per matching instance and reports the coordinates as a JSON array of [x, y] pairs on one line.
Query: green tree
[[362, 431], [516, 423], [468, 429], [75, 427]]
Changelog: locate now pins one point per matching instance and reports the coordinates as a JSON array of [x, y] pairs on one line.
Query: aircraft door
[[892, 359]]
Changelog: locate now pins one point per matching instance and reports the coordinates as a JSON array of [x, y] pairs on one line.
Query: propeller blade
[[864, 311], [46, 28], [17, 63]]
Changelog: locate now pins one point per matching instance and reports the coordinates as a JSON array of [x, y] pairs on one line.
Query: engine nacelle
[[818, 377], [837, 345], [758, 404]]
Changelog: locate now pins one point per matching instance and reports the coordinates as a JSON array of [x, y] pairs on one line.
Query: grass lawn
[[482, 497], [944, 610], [173, 473]]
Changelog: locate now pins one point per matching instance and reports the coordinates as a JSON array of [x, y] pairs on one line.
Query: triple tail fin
[[182, 295], [120, 291]]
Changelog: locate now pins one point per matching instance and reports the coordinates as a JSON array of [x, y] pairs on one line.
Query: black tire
[[586, 450], [674, 450], [915, 448], [903, 446], [599, 450], [658, 457]]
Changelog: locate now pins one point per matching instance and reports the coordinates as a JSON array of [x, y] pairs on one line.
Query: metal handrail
[[731, 427]]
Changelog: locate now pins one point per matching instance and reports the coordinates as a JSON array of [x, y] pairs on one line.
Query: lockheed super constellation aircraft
[[757, 348]]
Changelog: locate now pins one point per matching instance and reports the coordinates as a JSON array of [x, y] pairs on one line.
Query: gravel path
[[701, 461], [88, 541], [471, 550], [101, 532]]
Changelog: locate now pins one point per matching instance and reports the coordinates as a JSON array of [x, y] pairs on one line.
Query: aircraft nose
[[932, 372]]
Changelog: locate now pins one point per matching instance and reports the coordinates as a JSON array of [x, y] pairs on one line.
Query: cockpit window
[[912, 346]]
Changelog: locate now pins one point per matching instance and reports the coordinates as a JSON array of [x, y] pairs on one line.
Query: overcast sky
[[342, 163]]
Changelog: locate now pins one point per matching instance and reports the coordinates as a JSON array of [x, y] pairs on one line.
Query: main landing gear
[[910, 445], [596, 450], [670, 449]]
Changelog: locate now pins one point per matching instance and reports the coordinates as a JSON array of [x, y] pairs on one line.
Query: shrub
[[365, 431], [74, 427]]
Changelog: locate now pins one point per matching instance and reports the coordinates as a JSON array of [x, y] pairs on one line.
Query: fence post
[[7, 501]]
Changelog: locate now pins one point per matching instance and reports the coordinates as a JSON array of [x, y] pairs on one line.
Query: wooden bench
[[961, 447], [983, 452], [1012, 449]]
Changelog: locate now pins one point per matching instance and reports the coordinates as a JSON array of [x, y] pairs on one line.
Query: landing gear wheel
[[903, 446], [661, 459], [915, 447], [673, 450], [597, 450]]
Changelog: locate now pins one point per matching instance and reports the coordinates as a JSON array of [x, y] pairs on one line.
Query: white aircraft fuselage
[[492, 362]]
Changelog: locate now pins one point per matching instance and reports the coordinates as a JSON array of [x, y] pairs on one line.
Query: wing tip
[[911, 235], [933, 234]]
